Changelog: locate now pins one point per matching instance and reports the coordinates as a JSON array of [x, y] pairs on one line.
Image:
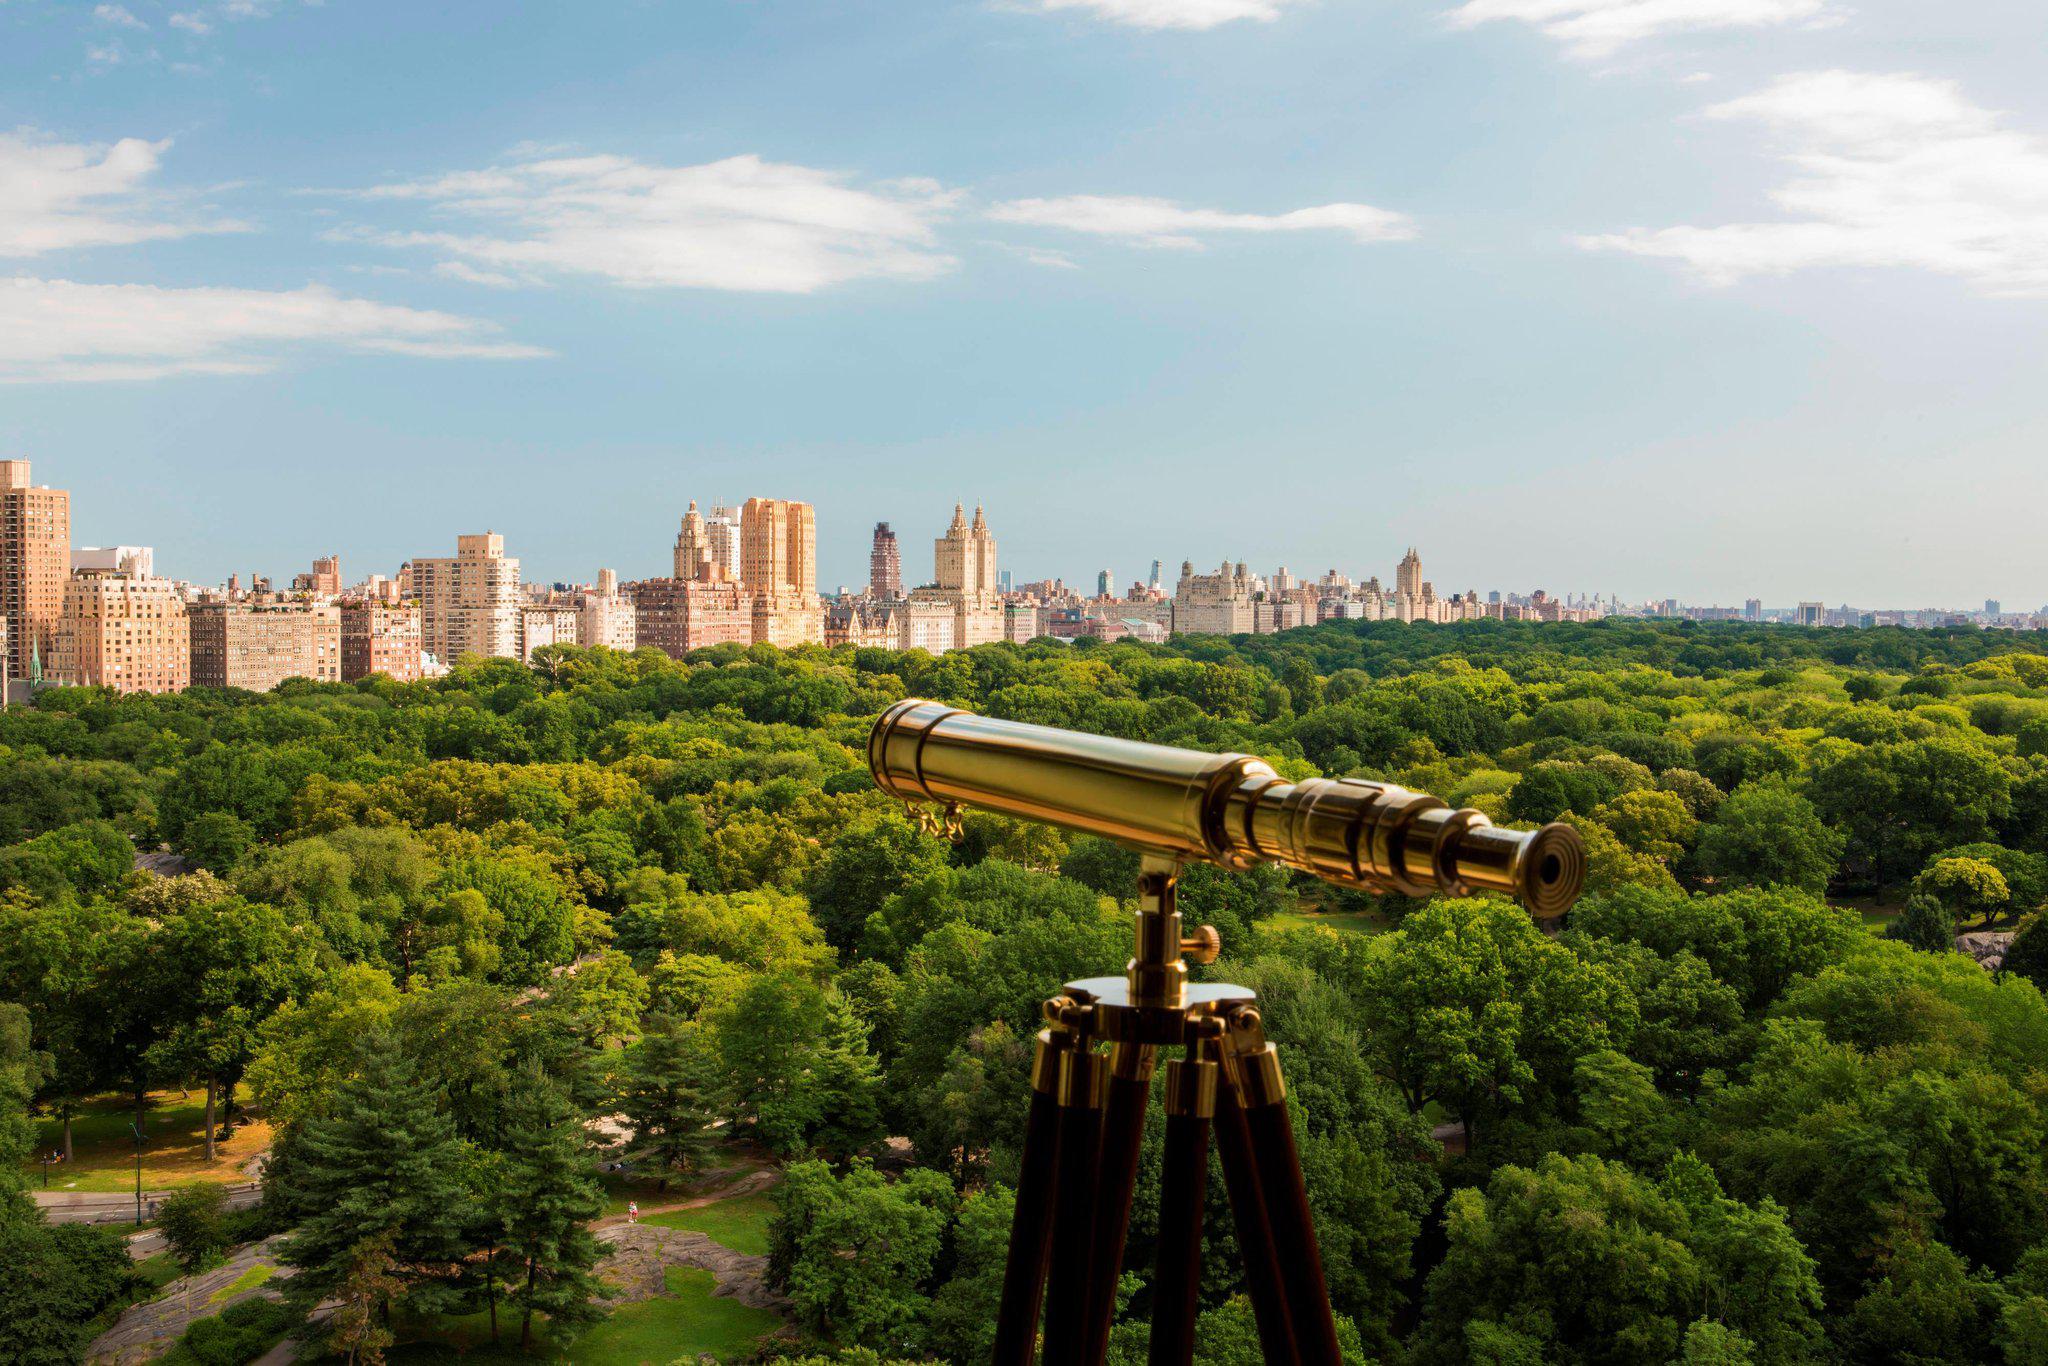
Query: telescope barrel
[[1232, 810]]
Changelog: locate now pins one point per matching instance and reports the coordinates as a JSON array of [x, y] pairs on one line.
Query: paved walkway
[[118, 1207]]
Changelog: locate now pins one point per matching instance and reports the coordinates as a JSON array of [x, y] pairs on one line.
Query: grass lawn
[[158, 1270], [248, 1280], [654, 1332], [681, 1325], [173, 1153], [740, 1223], [1877, 915], [1344, 922]]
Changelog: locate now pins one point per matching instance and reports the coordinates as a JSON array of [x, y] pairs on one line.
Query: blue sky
[[1703, 297]]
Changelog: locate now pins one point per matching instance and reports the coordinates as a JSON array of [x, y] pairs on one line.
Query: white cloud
[[1175, 14], [117, 16], [192, 21], [1163, 223], [59, 195], [1893, 170], [1596, 28], [54, 331], [468, 274], [738, 224]]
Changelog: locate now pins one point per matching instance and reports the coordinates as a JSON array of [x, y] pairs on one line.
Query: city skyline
[[631, 561], [1577, 295]]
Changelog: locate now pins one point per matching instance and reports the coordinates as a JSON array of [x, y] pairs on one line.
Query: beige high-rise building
[[1408, 575], [122, 631], [964, 575], [1221, 603], [696, 559], [323, 580], [380, 638], [605, 617], [779, 568], [35, 565], [469, 604], [258, 645], [677, 616], [722, 542], [543, 624]]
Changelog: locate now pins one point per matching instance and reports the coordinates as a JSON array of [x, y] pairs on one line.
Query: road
[[118, 1207]]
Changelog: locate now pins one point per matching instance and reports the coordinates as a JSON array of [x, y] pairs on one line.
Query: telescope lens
[[1554, 871]]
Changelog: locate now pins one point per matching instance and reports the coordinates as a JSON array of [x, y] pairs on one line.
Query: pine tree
[[846, 1074], [660, 1093], [549, 1195], [1925, 924], [384, 1165], [357, 1327]]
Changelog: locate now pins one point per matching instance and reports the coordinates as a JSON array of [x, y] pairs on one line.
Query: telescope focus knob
[[1203, 946]]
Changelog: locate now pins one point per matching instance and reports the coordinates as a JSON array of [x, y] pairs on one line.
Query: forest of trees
[[1747, 1105]]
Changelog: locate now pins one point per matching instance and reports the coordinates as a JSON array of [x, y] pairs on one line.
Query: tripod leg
[[1074, 1209], [1190, 1106], [1031, 1228], [1123, 1133], [1254, 1231], [1294, 1233]]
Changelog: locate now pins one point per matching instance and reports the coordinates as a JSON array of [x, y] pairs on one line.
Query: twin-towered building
[[962, 606]]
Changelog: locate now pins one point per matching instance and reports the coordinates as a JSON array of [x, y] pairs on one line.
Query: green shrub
[[194, 1219], [238, 1334]]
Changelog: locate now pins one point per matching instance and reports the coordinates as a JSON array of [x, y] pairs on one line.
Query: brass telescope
[[1087, 1118], [1228, 809]]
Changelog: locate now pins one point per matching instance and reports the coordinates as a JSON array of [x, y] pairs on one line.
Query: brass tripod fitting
[[1045, 1058], [1083, 1079], [1191, 1081], [1190, 1087], [1131, 1061], [1064, 1013], [1258, 1078], [1156, 974]]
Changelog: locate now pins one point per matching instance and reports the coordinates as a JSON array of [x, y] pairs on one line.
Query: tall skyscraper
[[722, 542], [35, 565], [885, 565], [696, 561], [779, 568], [964, 606], [1157, 582], [1408, 576], [469, 604], [1103, 583]]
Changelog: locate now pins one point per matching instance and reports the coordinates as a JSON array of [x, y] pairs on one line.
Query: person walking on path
[[632, 1211]]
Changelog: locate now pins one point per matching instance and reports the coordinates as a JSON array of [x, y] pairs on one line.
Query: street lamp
[[137, 1128]]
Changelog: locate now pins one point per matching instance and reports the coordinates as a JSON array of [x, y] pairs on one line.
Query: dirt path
[[756, 1179]]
